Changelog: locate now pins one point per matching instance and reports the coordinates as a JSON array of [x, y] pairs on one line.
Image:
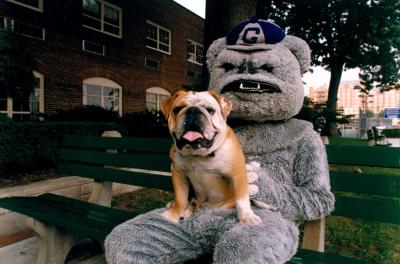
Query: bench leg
[[101, 193], [54, 243], [314, 235]]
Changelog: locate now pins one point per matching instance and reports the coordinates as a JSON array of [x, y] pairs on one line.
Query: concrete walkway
[[25, 252]]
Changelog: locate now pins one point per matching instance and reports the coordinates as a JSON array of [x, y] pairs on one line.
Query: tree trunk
[[330, 128], [221, 17]]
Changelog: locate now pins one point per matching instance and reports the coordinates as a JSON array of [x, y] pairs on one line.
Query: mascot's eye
[[267, 67], [177, 109], [228, 66], [210, 110]]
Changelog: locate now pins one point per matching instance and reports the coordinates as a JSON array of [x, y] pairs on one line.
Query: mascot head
[[259, 69]]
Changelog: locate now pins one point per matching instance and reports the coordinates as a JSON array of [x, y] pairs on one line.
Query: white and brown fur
[[219, 179]]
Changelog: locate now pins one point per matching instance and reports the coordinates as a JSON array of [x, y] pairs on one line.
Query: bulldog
[[205, 154]]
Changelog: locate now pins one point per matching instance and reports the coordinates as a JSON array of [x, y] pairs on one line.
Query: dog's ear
[[225, 103], [166, 104]]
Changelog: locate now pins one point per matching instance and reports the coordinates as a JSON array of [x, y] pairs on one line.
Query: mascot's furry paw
[[253, 169]]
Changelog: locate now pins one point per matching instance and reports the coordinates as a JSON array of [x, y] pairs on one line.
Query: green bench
[[60, 222]]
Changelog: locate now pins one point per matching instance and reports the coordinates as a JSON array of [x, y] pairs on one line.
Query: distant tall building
[[318, 95], [352, 100], [349, 98]]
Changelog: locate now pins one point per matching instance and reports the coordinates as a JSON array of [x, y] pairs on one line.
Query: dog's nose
[[193, 111]]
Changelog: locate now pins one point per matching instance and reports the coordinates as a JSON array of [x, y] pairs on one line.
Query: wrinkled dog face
[[196, 121], [262, 85]]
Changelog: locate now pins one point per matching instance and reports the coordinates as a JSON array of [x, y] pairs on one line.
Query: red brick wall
[[64, 65]]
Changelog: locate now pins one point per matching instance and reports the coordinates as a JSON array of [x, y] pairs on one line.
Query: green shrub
[[391, 133], [85, 113], [146, 124], [26, 146]]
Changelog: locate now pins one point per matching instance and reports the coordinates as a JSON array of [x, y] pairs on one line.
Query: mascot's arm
[[309, 197]]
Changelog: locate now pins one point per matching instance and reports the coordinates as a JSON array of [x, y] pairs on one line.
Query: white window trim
[[10, 24], [10, 111], [84, 47], [102, 19], [104, 82], [158, 91], [158, 38], [195, 50], [38, 9]]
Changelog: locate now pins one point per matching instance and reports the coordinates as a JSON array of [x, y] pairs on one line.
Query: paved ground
[[25, 252]]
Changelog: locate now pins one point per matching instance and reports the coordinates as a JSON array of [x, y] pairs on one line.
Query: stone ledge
[[71, 186]]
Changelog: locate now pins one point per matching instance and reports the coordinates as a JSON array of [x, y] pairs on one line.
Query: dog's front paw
[[171, 215], [250, 218]]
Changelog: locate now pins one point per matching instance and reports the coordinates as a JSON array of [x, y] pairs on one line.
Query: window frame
[[10, 109], [103, 82], [156, 91], [195, 51], [10, 23], [158, 38], [102, 3], [38, 9], [84, 41]]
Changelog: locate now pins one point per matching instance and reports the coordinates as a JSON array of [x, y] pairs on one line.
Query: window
[[22, 28], [190, 74], [3, 23], [36, 5], [22, 107], [194, 52], [93, 47], [153, 97], [150, 63], [158, 38], [27, 30], [102, 16], [102, 92]]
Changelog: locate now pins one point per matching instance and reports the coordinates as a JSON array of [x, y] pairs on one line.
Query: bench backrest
[[366, 182], [118, 160], [370, 194]]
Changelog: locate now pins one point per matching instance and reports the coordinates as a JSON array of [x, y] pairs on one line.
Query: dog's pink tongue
[[192, 136]]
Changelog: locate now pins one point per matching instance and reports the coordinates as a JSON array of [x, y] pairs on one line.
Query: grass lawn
[[365, 240]]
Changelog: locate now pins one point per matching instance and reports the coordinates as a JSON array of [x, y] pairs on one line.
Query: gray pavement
[[25, 252]]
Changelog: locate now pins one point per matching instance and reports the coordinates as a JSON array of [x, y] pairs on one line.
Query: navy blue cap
[[254, 34]]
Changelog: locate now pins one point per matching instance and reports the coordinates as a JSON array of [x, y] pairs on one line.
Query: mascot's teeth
[[258, 86], [241, 85]]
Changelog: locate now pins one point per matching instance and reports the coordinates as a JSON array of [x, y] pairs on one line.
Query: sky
[[317, 78]]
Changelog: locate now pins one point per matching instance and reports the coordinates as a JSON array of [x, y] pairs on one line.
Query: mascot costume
[[259, 69]]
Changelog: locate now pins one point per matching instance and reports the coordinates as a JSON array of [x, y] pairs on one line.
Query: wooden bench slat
[[124, 143], [375, 184], [386, 210], [82, 206], [160, 162], [116, 175], [361, 155], [33, 207]]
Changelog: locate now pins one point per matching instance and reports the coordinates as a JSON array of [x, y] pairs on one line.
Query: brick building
[[124, 55]]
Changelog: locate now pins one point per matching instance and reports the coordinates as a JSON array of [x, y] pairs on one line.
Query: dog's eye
[[177, 109], [267, 67], [210, 110], [228, 66]]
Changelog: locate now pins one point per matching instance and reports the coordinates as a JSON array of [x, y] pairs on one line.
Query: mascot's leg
[[150, 238], [274, 241]]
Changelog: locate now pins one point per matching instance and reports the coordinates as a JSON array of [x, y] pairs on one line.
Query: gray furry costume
[[292, 173]]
